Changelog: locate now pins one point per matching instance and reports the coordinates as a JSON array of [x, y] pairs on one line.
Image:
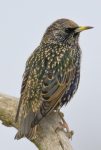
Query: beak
[[82, 28]]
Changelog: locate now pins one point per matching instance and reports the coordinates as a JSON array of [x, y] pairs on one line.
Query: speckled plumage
[[51, 76]]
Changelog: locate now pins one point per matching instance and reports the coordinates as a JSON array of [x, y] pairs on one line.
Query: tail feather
[[25, 128]]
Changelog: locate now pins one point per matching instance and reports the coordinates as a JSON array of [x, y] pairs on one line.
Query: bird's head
[[63, 30]]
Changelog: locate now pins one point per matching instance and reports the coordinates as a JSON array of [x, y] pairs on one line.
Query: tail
[[26, 130], [28, 125]]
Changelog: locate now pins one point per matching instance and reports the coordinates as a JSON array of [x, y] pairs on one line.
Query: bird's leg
[[64, 125]]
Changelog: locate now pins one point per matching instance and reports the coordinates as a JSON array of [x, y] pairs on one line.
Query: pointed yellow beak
[[82, 28]]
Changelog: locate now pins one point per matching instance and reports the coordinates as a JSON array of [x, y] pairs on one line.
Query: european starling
[[51, 75]]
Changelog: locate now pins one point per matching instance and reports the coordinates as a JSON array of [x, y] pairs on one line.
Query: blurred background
[[22, 24]]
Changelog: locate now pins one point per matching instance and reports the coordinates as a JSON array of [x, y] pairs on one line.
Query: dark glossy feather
[[51, 76]]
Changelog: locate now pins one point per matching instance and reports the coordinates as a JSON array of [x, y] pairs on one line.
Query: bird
[[51, 75]]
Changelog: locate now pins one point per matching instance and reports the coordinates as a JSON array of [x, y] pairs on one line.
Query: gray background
[[22, 24]]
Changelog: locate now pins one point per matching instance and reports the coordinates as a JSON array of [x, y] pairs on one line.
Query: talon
[[70, 134]]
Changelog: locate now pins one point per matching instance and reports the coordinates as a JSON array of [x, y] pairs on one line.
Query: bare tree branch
[[48, 138]]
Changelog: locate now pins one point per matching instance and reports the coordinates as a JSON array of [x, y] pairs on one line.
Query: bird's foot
[[69, 132], [64, 125]]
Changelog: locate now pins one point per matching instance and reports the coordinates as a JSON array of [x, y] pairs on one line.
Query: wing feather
[[52, 92], [25, 91]]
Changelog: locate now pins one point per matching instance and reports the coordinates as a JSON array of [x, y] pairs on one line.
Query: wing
[[25, 92], [54, 87]]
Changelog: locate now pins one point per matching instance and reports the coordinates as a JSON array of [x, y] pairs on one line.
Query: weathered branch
[[48, 138]]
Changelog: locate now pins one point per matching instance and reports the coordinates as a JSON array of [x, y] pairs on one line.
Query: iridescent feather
[[51, 76]]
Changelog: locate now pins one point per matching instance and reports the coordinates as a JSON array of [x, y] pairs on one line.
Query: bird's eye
[[68, 30]]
